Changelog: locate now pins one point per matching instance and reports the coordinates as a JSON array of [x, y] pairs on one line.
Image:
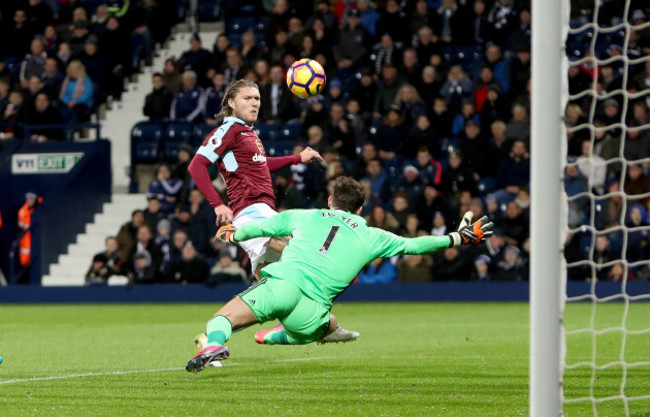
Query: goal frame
[[547, 220]]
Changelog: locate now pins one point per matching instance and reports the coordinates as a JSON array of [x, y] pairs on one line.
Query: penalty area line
[[146, 371]]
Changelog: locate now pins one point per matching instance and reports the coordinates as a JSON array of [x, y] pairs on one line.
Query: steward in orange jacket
[[24, 223]]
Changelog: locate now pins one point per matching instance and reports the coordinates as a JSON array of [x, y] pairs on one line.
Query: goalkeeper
[[327, 251]]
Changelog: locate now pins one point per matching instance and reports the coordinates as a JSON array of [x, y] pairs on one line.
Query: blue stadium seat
[[280, 148], [208, 10], [235, 40], [267, 132], [240, 25], [170, 150], [291, 129], [262, 24], [200, 132], [145, 140], [179, 132]]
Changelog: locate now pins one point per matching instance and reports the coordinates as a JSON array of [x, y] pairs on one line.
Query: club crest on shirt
[[259, 145]]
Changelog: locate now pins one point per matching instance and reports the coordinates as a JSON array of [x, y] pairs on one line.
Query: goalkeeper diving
[[327, 250]]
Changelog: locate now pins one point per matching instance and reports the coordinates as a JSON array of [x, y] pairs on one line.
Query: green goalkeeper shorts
[[304, 319]]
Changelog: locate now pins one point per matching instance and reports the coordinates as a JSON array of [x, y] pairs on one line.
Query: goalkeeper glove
[[226, 233], [471, 233]]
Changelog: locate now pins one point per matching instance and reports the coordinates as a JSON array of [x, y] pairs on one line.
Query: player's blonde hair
[[231, 92]]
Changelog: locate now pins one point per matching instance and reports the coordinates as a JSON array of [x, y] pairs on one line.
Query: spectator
[[429, 168], [5, 88], [99, 20], [338, 133], [196, 59], [80, 34], [427, 45], [493, 107], [213, 97], [171, 75], [428, 85], [365, 92], [76, 93], [164, 187], [190, 268], [467, 113], [249, 51], [356, 119], [19, 36], [196, 231], [515, 225], [382, 219], [513, 172], [420, 17], [227, 270], [521, 35], [387, 54], [520, 71], [221, 45], [163, 240], [64, 54], [603, 254], [369, 16], [276, 105], [51, 40], [511, 267], [189, 102], [450, 23], [141, 36], [105, 264], [638, 244], [451, 265], [157, 104], [118, 59], [51, 77], [500, 67], [126, 237], [441, 120], [353, 42], [414, 268], [280, 48], [390, 136], [379, 271], [431, 202], [411, 184], [637, 183], [457, 89], [439, 225], [39, 14], [503, 18], [475, 148], [152, 214], [479, 28], [368, 153], [519, 126], [458, 176], [94, 63], [593, 167], [576, 183], [34, 63], [144, 259], [400, 210], [98, 273], [233, 68], [410, 103], [15, 114], [481, 269], [43, 113]]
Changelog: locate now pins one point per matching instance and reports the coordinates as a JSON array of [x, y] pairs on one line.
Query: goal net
[[599, 314]]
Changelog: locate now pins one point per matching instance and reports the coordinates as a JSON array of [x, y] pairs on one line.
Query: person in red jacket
[[242, 161]]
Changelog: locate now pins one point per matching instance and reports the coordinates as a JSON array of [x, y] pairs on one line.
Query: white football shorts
[[256, 248]]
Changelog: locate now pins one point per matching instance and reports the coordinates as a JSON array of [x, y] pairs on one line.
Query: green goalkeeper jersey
[[329, 247]]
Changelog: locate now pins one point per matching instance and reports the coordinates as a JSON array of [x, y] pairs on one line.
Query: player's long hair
[[230, 93], [348, 194]]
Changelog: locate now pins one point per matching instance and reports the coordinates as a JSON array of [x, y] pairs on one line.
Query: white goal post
[[548, 76]]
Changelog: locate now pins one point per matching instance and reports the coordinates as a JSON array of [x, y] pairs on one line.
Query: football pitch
[[412, 359]]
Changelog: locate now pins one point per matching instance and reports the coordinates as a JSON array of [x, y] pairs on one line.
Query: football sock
[[219, 331]]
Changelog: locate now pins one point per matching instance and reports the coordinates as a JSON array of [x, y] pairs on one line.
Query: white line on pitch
[[144, 371]]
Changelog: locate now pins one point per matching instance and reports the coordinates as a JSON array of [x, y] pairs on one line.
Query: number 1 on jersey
[[328, 241]]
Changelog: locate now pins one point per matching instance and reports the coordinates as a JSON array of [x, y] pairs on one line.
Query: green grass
[[412, 360]]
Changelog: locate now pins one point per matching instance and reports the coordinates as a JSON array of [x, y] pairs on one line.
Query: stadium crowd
[[427, 104], [61, 59]]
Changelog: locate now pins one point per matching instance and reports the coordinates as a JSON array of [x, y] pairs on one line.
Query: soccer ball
[[306, 78]]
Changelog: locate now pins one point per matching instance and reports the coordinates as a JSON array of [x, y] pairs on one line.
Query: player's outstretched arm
[[308, 155]]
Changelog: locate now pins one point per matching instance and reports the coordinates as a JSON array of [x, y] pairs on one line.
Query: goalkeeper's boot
[[339, 335], [259, 336], [200, 340], [206, 356]]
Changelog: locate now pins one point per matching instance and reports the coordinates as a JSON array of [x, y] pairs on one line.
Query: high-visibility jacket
[[25, 245]]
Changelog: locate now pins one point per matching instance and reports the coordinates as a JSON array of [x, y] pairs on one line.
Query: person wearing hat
[[98, 273], [511, 267], [481, 270], [95, 63], [24, 223], [80, 34], [353, 42], [410, 183]]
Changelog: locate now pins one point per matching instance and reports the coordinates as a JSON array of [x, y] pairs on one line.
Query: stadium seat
[[235, 40], [179, 132], [239, 25], [291, 129], [170, 150], [267, 132], [145, 140], [281, 148], [262, 24], [200, 132]]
